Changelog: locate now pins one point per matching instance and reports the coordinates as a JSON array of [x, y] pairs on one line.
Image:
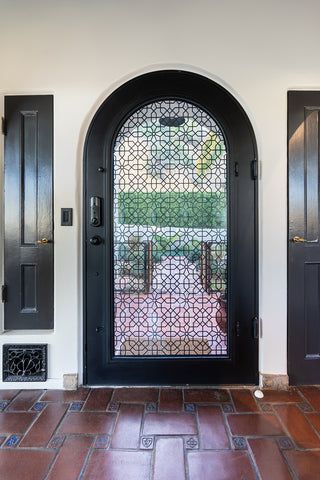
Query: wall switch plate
[[66, 217]]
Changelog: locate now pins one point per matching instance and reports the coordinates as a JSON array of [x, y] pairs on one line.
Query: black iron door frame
[[101, 367]]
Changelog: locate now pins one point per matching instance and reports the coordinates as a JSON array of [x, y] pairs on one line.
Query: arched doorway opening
[[170, 235]]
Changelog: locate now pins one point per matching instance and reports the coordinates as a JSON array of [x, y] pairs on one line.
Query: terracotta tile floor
[[160, 434]]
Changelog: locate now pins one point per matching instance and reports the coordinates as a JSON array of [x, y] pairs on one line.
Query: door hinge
[[3, 126], [255, 326], [254, 169], [236, 169], [4, 293], [237, 328]]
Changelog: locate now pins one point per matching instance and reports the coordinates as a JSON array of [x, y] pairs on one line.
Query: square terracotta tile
[[298, 426], [93, 423], [306, 465], [16, 422], [251, 424], [128, 425], [98, 399], [8, 394], [135, 395], [170, 424], [25, 464], [225, 465], [71, 458], [169, 459], [314, 419], [171, 400], [206, 395], [65, 396], [44, 427], [118, 465], [269, 459], [24, 400], [212, 431], [244, 401], [281, 396], [312, 394]]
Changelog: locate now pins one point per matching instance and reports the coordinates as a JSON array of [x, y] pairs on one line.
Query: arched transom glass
[[170, 233]]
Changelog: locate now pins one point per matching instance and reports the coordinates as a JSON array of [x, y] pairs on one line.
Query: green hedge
[[173, 209]]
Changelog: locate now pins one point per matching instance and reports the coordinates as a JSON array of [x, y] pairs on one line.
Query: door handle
[[298, 239], [42, 241]]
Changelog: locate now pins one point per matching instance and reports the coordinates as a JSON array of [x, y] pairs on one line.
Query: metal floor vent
[[25, 363]]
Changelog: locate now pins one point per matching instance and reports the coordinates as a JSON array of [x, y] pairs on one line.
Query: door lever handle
[[42, 241], [298, 239]]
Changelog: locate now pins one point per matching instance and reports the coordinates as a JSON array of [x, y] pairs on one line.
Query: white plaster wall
[[81, 50]]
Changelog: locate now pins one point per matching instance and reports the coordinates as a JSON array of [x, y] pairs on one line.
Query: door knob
[[298, 239], [42, 241], [96, 240]]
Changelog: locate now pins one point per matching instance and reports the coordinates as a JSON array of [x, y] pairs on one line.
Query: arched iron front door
[[170, 236]]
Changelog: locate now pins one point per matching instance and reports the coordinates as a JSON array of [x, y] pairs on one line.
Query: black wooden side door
[[304, 246], [28, 249]]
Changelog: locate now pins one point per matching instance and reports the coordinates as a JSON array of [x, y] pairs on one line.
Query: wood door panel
[[303, 221], [28, 266]]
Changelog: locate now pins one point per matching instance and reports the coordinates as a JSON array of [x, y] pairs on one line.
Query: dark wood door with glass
[[170, 236]]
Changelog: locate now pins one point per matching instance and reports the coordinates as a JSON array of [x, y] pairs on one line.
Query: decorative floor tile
[[285, 443], [146, 443], [239, 443], [12, 441], [76, 406], [189, 407], [38, 406], [151, 407], [113, 407], [305, 407], [227, 408], [56, 441], [3, 405], [266, 407], [191, 443], [102, 441]]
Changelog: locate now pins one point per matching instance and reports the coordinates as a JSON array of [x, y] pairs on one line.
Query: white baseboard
[[50, 384]]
